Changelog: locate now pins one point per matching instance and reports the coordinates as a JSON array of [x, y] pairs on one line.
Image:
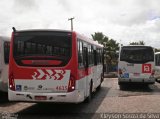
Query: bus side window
[[158, 60], [92, 55], [98, 57], [85, 57], [95, 57], [80, 53], [6, 52]]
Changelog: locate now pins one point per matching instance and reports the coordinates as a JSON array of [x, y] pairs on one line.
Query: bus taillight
[[71, 84], [0, 73], [120, 71], [153, 72], [11, 82]]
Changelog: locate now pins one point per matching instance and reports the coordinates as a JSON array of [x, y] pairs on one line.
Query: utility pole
[[71, 23]]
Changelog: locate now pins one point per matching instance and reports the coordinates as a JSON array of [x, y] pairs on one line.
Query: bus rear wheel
[[99, 87], [88, 99], [121, 85]]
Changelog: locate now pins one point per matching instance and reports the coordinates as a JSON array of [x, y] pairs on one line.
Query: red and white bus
[[53, 66], [4, 61]]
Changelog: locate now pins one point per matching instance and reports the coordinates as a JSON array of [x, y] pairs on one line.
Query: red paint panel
[[84, 72], [41, 62], [146, 68]]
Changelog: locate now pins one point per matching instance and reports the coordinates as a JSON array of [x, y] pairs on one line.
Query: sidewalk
[[110, 75]]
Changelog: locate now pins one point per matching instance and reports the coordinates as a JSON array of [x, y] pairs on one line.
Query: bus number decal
[[146, 68], [61, 88]]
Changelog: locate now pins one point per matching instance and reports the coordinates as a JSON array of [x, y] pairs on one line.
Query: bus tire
[[88, 99], [121, 85], [157, 80], [99, 87]]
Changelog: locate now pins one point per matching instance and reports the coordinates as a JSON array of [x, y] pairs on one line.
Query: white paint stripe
[[57, 76], [50, 72], [34, 76], [41, 73], [58, 71]]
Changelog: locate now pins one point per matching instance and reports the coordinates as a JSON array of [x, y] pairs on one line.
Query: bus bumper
[[136, 80], [70, 97]]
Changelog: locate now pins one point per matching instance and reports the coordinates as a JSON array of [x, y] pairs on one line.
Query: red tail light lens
[[71, 84], [11, 82], [0, 73], [120, 71], [153, 72]]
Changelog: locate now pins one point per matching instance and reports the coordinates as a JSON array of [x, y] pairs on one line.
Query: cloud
[[130, 12], [22, 6], [125, 20], [148, 32]]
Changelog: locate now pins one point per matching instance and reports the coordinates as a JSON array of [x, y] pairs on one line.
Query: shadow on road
[[139, 89], [136, 87], [3, 97], [66, 111], [4, 102]]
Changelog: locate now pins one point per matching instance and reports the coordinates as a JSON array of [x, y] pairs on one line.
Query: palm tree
[[110, 48], [137, 43]]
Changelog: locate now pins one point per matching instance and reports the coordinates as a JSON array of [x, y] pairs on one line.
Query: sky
[[122, 20]]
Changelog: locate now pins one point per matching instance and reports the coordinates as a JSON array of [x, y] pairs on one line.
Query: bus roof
[[65, 31], [89, 40], [41, 30], [137, 46], [157, 53]]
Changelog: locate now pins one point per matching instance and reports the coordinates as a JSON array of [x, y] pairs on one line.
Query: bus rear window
[[137, 54], [42, 49]]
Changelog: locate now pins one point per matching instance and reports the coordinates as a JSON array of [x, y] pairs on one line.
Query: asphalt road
[[110, 99]]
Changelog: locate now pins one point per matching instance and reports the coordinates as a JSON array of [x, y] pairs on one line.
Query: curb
[[110, 75]]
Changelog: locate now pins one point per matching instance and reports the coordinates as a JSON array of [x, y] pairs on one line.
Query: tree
[[137, 43], [100, 37], [110, 48], [157, 50]]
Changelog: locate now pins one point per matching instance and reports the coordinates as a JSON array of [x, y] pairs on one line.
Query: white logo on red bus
[[146, 68], [43, 74]]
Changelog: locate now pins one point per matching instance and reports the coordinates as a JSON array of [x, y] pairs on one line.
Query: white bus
[[4, 60], [136, 65], [157, 66]]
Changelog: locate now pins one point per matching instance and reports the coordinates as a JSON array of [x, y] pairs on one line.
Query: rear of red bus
[[42, 67]]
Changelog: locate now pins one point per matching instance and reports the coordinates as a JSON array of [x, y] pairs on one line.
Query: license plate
[[40, 98]]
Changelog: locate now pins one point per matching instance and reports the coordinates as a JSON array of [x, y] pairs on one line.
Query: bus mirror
[[14, 29]]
